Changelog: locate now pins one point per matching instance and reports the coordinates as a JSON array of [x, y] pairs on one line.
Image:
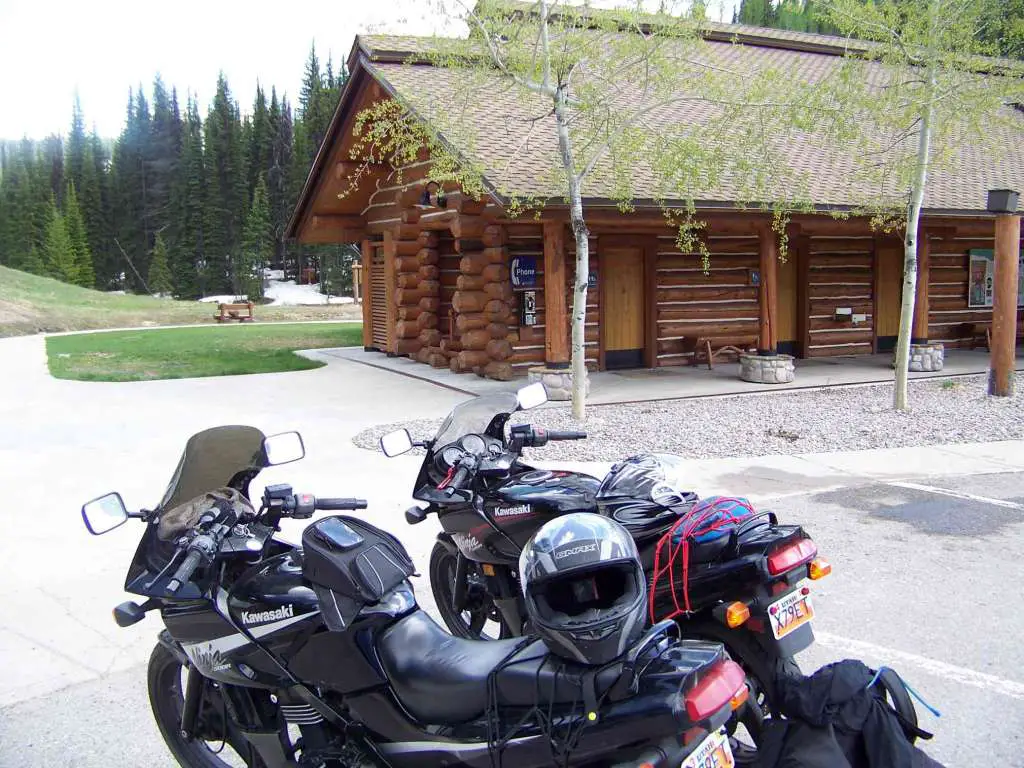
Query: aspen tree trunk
[[579, 294], [910, 252]]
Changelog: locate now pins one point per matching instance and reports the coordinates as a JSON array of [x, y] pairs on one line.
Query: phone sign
[[524, 272]]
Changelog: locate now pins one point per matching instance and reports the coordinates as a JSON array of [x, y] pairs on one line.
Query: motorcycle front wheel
[[218, 744], [480, 619]]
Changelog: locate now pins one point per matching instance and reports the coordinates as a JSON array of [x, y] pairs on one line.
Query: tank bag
[[352, 564]]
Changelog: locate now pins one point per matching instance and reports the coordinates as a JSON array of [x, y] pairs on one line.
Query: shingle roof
[[516, 149]]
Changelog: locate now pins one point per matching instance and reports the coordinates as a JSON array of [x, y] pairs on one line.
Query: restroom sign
[[524, 272]]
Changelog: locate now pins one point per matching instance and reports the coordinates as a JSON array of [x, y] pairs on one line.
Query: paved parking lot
[[927, 558]]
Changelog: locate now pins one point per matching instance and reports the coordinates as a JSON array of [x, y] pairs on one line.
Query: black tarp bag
[[351, 564]]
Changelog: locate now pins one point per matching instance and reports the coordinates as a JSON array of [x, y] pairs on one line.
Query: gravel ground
[[833, 419]]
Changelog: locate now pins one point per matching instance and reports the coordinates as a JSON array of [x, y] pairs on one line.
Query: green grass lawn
[[33, 304], [178, 353]]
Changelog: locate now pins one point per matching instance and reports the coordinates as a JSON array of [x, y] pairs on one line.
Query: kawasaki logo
[[522, 509], [258, 617], [581, 549]]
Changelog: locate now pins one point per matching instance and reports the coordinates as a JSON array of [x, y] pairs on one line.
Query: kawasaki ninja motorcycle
[[745, 589], [276, 656]]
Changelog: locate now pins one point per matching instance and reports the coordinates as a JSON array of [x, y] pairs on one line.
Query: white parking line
[[890, 656], [958, 495]]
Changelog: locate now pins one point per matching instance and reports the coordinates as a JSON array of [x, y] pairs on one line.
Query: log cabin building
[[458, 283]]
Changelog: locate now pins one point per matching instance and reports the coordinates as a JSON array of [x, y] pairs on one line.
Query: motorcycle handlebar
[[567, 435], [455, 484], [185, 571], [340, 504]]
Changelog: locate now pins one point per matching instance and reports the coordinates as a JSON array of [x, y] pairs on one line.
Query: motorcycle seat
[[443, 680]]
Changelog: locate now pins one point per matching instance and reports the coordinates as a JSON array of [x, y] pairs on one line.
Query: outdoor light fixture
[[1002, 200]]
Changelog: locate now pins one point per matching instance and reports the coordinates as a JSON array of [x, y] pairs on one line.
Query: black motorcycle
[[320, 656], [745, 590]]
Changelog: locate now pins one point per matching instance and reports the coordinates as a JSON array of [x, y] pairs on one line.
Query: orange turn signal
[[488, 569], [736, 614], [819, 568], [739, 698]]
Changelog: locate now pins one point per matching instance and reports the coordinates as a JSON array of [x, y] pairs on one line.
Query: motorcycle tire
[[470, 623], [166, 697], [762, 668]]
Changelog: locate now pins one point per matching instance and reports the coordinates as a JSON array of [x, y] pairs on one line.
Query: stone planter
[[557, 381], [767, 369], [926, 357]]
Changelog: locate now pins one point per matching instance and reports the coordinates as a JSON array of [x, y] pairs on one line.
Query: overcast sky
[[50, 48]]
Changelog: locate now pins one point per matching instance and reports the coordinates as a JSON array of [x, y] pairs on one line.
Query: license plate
[[789, 613], [713, 752]]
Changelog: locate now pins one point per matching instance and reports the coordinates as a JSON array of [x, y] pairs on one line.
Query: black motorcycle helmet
[[644, 493], [584, 587]]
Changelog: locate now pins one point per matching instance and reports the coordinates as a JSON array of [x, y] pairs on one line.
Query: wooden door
[[378, 299], [888, 295], [622, 306]]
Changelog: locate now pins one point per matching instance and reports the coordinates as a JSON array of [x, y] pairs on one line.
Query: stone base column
[[767, 369], [557, 381], [926, 357]]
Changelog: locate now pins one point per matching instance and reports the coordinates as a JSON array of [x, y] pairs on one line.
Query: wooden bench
[[977, 333], [234, 312], [707, 350]]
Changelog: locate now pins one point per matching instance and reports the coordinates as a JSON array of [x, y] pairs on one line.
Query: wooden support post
[[556, 327], [919, 332], [367, 253], [389, 289], [1004, 305], [768, 292], [803, 294]]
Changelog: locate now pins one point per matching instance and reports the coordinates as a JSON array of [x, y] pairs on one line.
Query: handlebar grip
[[185, 571], [340, 504], [460, 477], [567, 435]]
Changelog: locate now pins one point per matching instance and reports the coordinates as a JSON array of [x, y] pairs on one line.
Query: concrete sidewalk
[[641, 385]]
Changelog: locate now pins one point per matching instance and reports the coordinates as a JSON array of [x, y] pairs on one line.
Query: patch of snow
[[273, 274], [117, 293], [229, 299], [285, 293]]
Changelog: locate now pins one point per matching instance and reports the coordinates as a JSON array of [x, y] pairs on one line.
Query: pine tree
[[32, 262], [159, 279], [757, 13], [186, 255], [84, 274], [280, 193], [58, 255], [257, 245], [76, 145], [226, 202], [259, 143]]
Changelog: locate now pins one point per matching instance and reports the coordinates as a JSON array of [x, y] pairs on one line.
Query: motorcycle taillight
[[789, 556], [715, 691]]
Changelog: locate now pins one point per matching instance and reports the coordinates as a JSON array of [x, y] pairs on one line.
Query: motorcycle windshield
[[474, 417], [211, 459]]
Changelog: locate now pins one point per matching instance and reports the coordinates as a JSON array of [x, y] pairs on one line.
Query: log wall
[[840, 275], [948, 311], [719, 304]]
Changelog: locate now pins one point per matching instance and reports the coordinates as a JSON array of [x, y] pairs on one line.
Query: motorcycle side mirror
[[396, 443], [283, 448], [104, 514], [531, 396]]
